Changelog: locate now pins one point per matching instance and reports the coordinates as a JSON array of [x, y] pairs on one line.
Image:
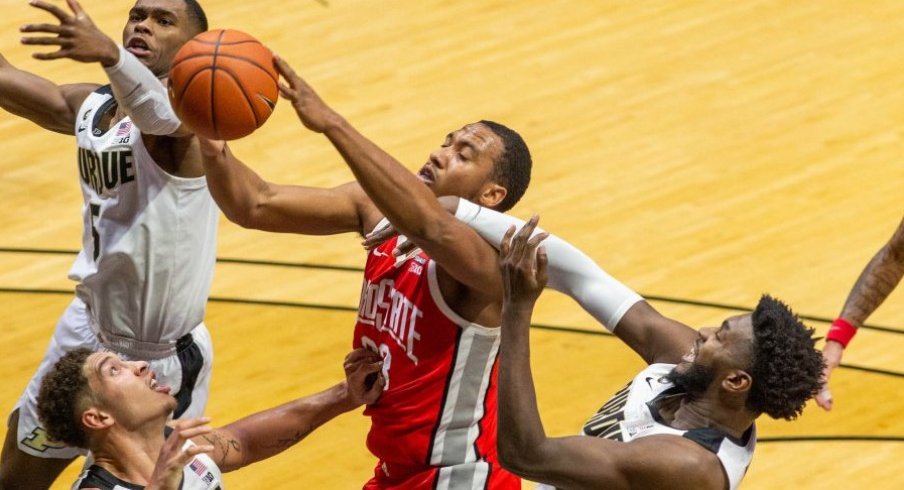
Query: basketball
[[223, 84]]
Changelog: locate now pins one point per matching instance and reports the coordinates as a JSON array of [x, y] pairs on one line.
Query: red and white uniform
[[435, 424]]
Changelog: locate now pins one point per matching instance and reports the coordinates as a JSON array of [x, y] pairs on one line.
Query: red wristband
[[841, 331]]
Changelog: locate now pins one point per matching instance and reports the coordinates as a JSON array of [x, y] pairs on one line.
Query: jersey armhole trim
[[437, 296]]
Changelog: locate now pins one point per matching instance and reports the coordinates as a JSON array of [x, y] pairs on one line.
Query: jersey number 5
[[95, 214]]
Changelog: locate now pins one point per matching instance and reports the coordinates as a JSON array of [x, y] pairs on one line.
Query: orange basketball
[[223, 84]]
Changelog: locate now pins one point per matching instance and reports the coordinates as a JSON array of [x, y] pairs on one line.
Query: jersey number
[[95, 214], [383, 350]]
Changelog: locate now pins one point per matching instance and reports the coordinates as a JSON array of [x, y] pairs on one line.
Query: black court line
[[351, 309], [830, 439], [345, 268]]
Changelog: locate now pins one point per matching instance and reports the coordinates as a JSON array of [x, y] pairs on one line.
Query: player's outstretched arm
[[621, 310], [572, 462], [252, 202], [880, 277], [51, 106], [403, 199], [271, 432]]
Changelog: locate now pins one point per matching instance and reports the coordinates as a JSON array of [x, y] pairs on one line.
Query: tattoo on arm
[[282, 443], [877, 281], [222, 445]]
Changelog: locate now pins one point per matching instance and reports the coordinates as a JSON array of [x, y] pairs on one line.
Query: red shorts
[[477, 475]]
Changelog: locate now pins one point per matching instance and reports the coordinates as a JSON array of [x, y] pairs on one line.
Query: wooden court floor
[[704, 152]]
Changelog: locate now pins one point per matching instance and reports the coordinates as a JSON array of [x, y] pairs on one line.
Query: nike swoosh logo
[[271, 104], [378, 253], [650, 378]]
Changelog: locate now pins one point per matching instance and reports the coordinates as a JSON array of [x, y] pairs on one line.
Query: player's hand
[[364, 376], [831, 354], [523, 263], [380, 236], [167, 473], [76, 35], [311, 109]]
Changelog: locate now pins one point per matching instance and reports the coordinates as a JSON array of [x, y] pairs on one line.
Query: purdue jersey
[[201, 473], [149, 240], [634, 413]]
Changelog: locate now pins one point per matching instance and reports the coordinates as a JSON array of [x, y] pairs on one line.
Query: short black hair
[[196, 15], [512, 170], [62, 391], [786, 367]]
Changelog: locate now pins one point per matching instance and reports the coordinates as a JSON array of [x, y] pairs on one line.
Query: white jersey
[[149, 241], [634, 413], [201, 473]]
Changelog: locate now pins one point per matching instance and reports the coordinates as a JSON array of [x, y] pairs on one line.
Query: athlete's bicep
[[652, 462]]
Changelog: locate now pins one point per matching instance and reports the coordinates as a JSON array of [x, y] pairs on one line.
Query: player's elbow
[[522, 459]]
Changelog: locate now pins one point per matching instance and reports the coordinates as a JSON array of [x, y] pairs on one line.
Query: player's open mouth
[[159, 388], [426, 175], [138, 47]]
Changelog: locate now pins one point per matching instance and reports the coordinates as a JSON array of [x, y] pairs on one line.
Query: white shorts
[[193, 360]]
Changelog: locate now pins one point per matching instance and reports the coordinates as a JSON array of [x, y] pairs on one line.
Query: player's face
[[127, 389], [463, 164], [155, 31], [723, 348]]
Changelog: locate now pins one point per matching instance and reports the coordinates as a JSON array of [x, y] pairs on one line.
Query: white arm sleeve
[[142, 96], [570, 270]]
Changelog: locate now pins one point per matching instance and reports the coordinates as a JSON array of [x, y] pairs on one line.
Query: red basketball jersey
[[435, 424]]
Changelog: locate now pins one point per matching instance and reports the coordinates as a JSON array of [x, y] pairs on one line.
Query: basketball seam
[[213, 86], [225, 44], [231, 56], [241, 87], [188, 82]]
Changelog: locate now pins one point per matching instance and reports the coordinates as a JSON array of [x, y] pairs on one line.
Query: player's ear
[[491, 195], [96, 419], [738, 381]]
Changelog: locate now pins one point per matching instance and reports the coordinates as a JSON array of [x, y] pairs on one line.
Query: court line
[[345, 268], [351, 309], [830, 438]]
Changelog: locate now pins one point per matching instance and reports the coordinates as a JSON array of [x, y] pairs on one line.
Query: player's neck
[[131, 455], [709, 412]]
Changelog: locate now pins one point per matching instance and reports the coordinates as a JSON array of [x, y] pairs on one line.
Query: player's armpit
[[652, 462], [462, 254]]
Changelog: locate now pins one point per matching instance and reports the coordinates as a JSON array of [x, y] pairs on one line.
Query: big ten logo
[[40, 441], [384, 352]]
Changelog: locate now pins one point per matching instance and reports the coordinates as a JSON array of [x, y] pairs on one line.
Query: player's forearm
[[140, 93], [876, 282], [271, 432], [521, 437], [571, 271], [402, 198], [34, 98], [236, 188]]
